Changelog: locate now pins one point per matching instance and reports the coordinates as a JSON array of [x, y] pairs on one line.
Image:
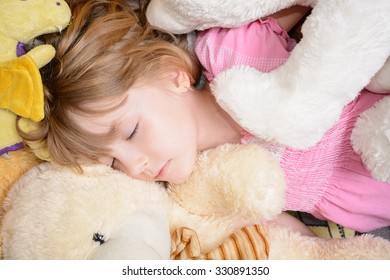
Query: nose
[[135, 165]]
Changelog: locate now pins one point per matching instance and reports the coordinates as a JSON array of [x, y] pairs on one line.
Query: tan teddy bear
[[104, 214]]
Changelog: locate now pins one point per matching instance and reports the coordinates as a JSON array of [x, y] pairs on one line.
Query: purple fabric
[[19, 52], [20, 49], [11, 148]]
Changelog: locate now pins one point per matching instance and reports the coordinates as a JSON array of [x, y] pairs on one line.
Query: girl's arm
[[264, 44], [288, 18]]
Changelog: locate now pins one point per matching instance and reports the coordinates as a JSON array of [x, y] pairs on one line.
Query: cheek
[[184, 164], [162, 135], [106, 161], [184, 167]]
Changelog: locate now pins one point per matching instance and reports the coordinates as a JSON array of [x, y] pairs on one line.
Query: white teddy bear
[[345, 43]]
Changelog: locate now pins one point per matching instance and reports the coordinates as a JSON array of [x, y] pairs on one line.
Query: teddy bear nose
[[97, 237]]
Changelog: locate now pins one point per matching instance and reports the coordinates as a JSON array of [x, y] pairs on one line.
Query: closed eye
[[133, 133]]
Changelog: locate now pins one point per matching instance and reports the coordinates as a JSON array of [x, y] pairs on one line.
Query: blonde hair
[[104, 51]]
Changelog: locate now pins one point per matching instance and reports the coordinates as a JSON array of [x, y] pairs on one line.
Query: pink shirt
[[329, 180]]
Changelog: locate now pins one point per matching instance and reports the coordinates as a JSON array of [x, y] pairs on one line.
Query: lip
[[161, 174]]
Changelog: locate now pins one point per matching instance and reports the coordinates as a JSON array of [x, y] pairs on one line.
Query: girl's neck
[[216, 127]]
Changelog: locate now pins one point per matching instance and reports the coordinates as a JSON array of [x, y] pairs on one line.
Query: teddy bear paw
[[271, 107], [380, 83], [371, 139]]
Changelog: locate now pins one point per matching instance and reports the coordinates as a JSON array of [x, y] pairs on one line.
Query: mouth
[[163, 171]]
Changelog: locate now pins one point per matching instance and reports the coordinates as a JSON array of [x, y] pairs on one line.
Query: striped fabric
[[248, 243]]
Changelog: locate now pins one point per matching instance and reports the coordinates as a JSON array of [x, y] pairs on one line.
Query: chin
[[182, 169], [180, 177], [177, 180]]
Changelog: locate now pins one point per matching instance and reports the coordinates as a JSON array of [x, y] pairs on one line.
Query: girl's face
[[158, 132]]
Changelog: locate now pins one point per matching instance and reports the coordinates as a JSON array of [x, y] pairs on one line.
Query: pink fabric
[[262, 44], [328, 180]]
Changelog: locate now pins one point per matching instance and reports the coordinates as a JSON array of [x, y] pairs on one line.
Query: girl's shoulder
[[262, 44]]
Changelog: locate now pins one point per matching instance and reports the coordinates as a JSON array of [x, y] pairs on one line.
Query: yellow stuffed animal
[[21, 90]]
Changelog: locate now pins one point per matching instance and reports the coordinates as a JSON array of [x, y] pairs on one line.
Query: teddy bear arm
[[180, 17], [370, 138], [42, 54], [321, 72], [380, 83], [253, 184], [234, 180], [211, 230]]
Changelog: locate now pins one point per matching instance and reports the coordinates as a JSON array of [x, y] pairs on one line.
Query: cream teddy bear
[[345, 47], [53, 212]]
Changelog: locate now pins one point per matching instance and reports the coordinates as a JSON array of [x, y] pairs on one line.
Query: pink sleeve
[[262, 44]]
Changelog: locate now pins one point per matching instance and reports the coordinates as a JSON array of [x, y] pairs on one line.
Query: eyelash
[[133, 133], [128, 138]]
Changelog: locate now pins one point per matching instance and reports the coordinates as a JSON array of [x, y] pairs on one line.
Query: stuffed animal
[[12, 167], [337, 57], [21, 89], [322, 68], [370, 139], [54, 212]]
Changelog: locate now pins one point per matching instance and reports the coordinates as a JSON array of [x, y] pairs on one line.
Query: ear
[[180, 81]]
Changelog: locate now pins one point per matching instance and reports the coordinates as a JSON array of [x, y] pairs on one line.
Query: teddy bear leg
[[380, 83], [287, 244]]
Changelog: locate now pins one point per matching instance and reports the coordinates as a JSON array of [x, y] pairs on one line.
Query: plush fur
[[344, 48], [11, 168], [96, 215], [21, 89], [106, 215], [371, 139]]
